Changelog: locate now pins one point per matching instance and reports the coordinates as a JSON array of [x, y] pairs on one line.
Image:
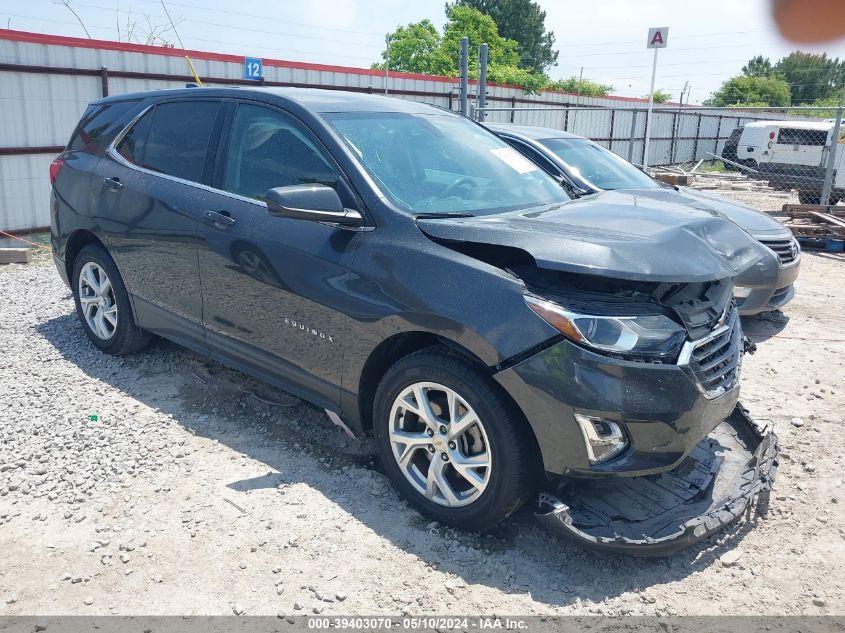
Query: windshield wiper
[[444, 214], [571, 188]]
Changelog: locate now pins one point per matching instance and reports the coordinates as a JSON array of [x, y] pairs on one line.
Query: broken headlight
[[646, 336]]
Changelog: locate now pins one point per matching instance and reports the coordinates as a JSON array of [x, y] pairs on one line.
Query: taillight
[[55, 168]]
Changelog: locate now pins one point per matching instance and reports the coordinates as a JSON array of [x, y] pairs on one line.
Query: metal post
[[718, 137], [465, 76], [831, 156], [648, 114], [674, 138], [387, 60], [695, 143], [104, 81], [612, 124], [482, 82], [577, 99], [513, 107], [633, 133]]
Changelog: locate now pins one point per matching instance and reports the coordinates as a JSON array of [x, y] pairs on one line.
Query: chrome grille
[[786, 250], [715, 359]]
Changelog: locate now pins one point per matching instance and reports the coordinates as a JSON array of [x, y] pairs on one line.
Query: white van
[[785, 142], [791, 155], [755, 142]]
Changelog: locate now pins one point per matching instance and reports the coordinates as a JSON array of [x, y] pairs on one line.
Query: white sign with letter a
[[658, 37]]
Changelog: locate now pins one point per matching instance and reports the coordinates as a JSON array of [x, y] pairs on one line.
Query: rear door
[[274, 289], [154, 185]]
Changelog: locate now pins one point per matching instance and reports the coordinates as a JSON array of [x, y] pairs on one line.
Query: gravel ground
[[165, 483]]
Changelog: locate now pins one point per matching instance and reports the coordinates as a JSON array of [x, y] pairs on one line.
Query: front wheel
[[451, 442]]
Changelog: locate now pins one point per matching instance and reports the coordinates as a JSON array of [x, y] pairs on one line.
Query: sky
[[708, 41]]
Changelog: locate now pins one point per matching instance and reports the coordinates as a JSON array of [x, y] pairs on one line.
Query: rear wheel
[[102, 304], [805, 197], [451, 442]]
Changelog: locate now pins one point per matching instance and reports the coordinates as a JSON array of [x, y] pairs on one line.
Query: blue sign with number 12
[[252, 68]]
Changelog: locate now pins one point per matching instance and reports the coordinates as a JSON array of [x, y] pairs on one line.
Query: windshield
[[596, 166], [438, 163]]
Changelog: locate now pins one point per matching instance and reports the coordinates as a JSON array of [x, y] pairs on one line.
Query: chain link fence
[[798, 150]]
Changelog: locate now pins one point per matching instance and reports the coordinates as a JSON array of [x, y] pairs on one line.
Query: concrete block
[[15, 255]]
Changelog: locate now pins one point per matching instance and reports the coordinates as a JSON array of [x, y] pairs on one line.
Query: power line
[[285, 51], [244, 28]]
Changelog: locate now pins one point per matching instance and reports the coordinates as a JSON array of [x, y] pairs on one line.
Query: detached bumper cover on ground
[[651, 516]]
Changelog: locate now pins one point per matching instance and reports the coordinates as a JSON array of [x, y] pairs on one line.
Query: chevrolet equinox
[[403, 267]]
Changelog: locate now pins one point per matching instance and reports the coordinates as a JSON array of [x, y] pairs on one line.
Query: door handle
[[220, 219], [113, 183]]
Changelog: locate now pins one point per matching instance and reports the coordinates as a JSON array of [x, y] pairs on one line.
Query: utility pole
[[677, 124], [387, 61]]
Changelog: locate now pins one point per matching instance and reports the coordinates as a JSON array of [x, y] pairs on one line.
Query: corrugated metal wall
[[42, 97]]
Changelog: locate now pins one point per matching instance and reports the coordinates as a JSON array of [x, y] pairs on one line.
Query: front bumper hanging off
[[659, 515]]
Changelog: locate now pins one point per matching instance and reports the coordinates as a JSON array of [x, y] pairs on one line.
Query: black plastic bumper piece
[[659, 515]]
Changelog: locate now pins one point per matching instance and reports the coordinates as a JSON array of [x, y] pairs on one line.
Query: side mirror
[[317, 203]]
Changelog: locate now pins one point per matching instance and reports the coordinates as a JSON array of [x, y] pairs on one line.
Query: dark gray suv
[[402, 266]]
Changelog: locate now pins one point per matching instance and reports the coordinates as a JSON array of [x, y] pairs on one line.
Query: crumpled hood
[[750, 219], [614, 234]]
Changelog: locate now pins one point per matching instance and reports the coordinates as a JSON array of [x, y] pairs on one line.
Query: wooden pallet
[[816, 226]]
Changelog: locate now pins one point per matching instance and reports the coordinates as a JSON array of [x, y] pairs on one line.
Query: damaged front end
[[727, 474]]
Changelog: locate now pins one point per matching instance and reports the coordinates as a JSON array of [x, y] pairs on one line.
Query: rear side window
[[172, 138], [794, 136], [99, 124]]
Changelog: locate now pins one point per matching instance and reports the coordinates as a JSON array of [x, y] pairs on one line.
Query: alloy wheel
[[96, 296], [440, 444]]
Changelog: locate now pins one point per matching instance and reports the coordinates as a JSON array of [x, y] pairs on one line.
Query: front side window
[[172, 138], [596, 166], [440, 163], [269, 149]]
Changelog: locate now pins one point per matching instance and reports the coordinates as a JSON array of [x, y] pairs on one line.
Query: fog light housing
[[604, 439], [742, 292]]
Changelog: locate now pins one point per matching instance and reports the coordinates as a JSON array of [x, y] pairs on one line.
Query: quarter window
[[131, 146], [269, 149], [99, 123]]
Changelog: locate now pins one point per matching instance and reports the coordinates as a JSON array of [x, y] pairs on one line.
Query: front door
[[274, 288]]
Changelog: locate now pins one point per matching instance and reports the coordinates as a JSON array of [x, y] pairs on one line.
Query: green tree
[[479, 28], [583, 87], [758, 66], [524, 22], [418, 48], [810, 76], [660, 96], [740, 90]]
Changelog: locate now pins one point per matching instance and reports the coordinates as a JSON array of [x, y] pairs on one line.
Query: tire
[[511, 475], [805, 197], [120, 336]]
